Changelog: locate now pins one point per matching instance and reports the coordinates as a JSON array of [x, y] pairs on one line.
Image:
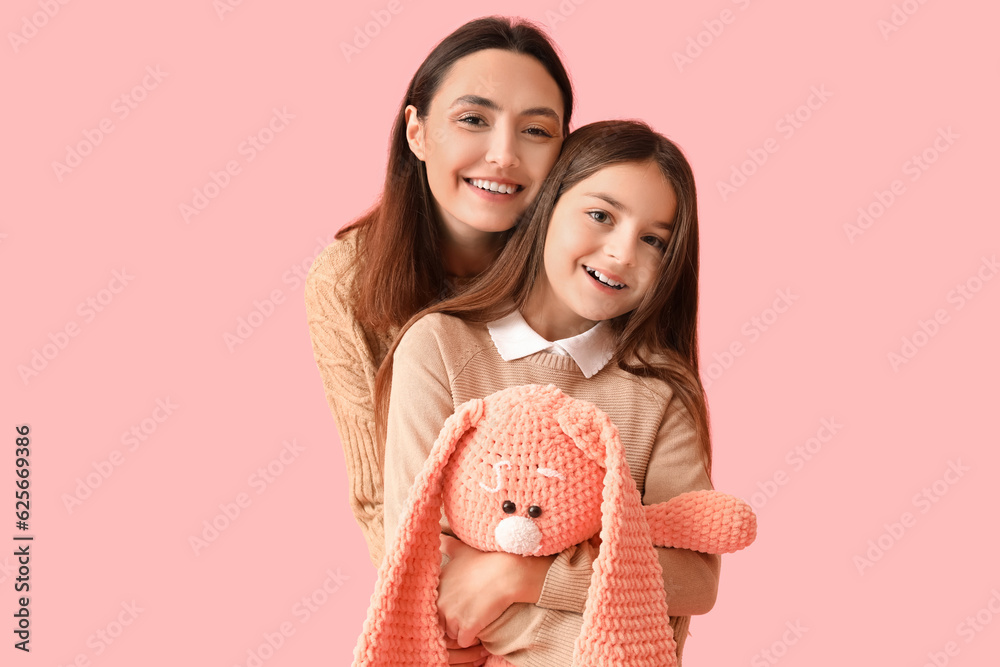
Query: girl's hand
[[473, 656], [476, 587]]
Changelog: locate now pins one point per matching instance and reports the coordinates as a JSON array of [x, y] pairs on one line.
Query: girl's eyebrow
[[610, 200], [625, 209], [487, 103]]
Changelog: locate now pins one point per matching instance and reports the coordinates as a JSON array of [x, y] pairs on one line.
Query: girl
[[605, 264], [480, 127]]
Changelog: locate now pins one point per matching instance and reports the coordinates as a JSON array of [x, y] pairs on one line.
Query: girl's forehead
[[638, 188]]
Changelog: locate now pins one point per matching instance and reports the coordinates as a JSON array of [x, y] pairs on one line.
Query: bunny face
[[526, 489]]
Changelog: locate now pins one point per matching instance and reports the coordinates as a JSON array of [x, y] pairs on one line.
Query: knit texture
[[348, 356], [553, 468]]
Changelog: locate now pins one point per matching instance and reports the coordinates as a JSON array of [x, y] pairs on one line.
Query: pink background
[[183, 285]]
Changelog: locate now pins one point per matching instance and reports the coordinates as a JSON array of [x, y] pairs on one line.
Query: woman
[[480, 126]]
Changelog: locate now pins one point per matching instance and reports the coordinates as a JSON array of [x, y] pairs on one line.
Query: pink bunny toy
[[530, 471]]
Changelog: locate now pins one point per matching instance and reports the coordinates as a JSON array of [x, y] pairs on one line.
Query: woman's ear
[[414, 131]]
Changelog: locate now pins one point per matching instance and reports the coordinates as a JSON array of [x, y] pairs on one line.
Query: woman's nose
[[503, 148]]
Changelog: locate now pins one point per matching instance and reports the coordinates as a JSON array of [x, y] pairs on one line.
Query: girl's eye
[[599, 216], [655, 241]]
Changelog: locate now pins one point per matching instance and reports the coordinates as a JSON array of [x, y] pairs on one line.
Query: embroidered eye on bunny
[[531, 471]]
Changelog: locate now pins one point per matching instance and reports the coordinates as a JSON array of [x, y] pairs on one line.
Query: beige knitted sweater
[[442, 362], [348, 357]]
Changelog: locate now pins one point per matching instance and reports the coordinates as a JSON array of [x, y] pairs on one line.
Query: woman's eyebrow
[[487, 103]]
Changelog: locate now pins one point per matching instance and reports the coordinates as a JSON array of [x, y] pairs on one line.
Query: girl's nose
[[621, 246]]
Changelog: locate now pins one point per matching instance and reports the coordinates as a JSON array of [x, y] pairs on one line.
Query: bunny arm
[[707, 521]]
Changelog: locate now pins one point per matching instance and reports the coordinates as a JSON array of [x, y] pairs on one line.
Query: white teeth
[[493, 186], [604, 279]]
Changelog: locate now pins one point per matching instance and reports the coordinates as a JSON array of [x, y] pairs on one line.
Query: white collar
[[514, 339]]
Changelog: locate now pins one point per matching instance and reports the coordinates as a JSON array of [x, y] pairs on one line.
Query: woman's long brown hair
[[398, 264], [659, 338]]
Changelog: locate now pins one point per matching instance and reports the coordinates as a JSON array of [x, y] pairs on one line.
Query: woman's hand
[[476, 587], [473, 656]]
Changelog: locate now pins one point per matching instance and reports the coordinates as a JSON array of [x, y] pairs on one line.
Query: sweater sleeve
[[345, 363], [690, 578], [420, 400]]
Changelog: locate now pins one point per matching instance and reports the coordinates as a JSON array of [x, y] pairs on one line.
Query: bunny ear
[[588, 426], [402, 626], [708, 521], [626, 601]]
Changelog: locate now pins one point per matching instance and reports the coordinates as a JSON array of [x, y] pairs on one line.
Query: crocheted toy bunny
[[530, 471]]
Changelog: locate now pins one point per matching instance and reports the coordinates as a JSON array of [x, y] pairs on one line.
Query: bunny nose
[[518, 535]]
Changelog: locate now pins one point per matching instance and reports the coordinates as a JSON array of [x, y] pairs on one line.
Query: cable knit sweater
[[348, 356], [442, 362]]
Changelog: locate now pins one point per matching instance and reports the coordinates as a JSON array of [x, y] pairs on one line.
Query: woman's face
[[603, 247], [488, 140]]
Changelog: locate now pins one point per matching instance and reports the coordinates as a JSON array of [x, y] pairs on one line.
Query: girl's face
[[604, 244], [488, 140]]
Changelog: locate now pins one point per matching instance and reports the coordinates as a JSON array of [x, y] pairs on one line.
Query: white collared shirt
[[514, 339]]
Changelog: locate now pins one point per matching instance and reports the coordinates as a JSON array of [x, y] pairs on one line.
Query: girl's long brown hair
[[398, 264], [659, 338]]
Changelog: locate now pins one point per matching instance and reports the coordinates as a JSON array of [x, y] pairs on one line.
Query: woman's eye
[[539, 132], [599, 216], [474, 121]]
